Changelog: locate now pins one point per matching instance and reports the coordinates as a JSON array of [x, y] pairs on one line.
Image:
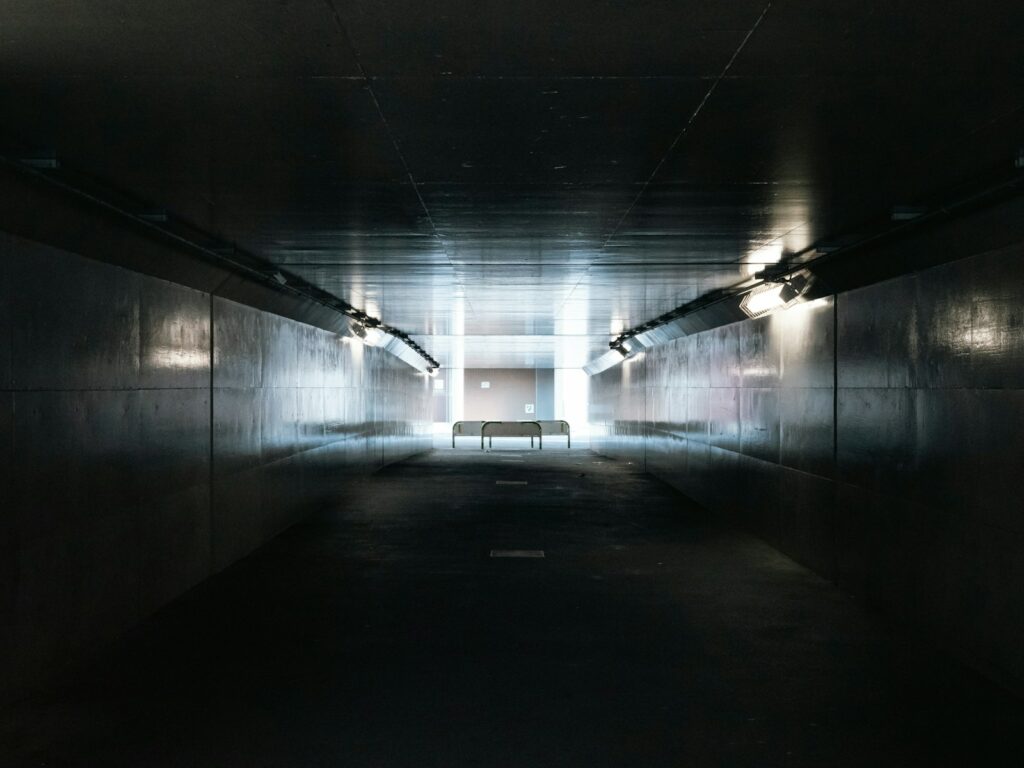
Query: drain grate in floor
[[517, 553], [510, 482]]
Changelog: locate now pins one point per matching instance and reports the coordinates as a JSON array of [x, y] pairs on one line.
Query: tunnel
[[506, 384]]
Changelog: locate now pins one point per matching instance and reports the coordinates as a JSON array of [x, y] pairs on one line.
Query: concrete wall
[[152, 434], [874, 436], [511, 389]]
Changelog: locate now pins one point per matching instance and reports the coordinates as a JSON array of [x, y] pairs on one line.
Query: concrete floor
[[381, 633]]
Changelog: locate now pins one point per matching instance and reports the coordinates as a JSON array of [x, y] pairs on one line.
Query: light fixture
[[772, 296], [609, 359], [374, 337]]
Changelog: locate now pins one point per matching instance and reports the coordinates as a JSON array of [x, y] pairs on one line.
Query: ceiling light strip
[[228, 255], [781, 285]]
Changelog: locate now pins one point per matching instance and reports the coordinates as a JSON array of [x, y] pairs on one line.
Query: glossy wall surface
[[873, 436], [152, 434]]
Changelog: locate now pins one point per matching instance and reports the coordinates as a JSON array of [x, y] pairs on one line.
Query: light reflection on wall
[[983, 339], [985, 334], [356, 346], [177, 358], [174, 339], [800, 315]]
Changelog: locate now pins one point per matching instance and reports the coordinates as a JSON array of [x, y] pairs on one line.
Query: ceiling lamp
[[375, 337], [620, 349], [368, 335], [771, 296]]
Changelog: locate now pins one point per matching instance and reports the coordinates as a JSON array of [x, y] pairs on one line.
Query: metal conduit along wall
[[151, 434], [873, 436]]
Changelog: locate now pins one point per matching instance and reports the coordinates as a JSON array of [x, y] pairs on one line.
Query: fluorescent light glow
[[178, 358], [358, 334], [769, 297], [763, 257], [371, 337], [759, 302], [374, 337]]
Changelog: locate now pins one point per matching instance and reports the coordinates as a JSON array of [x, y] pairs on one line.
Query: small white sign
[[485, 385], [529, 407], [438, 383]]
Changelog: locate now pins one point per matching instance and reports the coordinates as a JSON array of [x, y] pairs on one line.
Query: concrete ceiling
[[512, 183]]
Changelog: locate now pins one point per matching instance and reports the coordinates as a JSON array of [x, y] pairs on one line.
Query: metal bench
[[530, 429], [556, 427], [466, 429]]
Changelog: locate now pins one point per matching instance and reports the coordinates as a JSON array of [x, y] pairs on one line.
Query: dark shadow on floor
[[381, 633]]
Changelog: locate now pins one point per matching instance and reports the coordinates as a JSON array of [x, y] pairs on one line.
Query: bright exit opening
[[511, 394]]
